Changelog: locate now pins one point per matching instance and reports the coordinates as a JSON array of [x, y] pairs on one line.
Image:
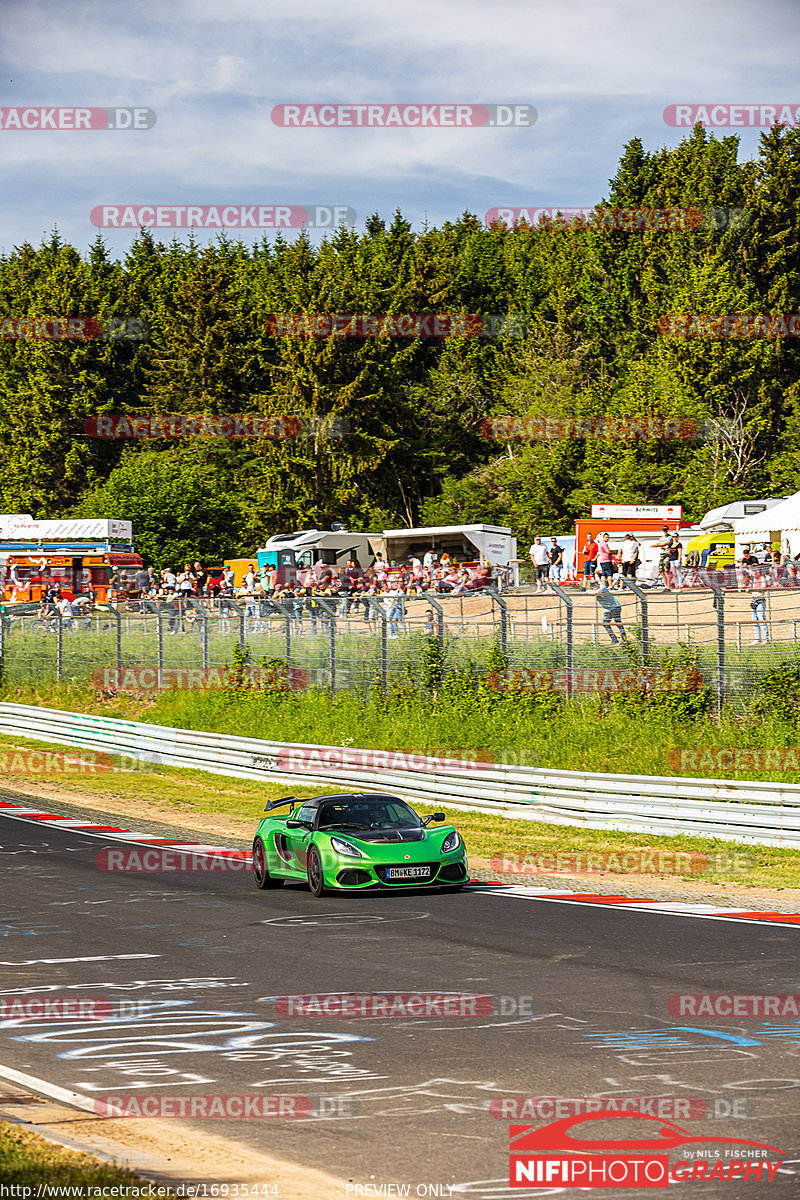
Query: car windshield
[[372, 814]]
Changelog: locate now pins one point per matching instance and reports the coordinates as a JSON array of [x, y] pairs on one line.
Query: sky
[[206, 79]]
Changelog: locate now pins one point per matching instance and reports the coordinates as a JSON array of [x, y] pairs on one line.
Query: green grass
[[188, 798], [583, 736], [27, 1160]]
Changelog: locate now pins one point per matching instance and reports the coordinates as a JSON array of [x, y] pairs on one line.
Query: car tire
[[261, 875], [316, 878]]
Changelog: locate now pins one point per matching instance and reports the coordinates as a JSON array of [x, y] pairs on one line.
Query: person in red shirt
[[590, 552]]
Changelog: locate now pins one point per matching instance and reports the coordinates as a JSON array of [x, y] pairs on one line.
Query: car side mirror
[[435, 817], [293, 823]]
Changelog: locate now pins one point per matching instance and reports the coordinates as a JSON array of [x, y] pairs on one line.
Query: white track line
[[63, 1095]]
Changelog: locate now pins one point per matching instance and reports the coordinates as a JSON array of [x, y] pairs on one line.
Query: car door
[[297, 841]]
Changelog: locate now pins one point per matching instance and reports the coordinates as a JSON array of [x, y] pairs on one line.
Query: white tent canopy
[[772, 523]]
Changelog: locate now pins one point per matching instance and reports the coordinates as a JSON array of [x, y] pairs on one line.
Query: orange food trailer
[[645, 521]]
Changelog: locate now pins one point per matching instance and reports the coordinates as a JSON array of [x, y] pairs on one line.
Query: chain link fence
[[566, 637]]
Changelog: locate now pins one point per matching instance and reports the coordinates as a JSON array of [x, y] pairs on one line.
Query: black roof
[[343, 796]]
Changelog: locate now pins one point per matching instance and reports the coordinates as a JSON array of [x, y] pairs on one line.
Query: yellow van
[[240, 567], [720, 547]]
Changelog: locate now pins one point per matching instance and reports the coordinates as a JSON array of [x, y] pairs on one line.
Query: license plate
[[408, 872]]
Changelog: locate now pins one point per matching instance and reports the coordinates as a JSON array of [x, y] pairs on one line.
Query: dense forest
[[393, 429]]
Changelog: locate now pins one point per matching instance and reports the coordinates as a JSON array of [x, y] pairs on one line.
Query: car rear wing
[[280, 803]]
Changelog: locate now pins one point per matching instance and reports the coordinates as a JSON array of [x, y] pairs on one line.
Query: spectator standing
[[758, 607], [629, 556], [590, 552], [664, 558], [201, 579], [186, 583], [605, 558], [65, 609], [556, 556], [541, 560], [430, 559], [675, 551]]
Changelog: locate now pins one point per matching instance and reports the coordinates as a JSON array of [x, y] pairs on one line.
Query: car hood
[[382, 836]]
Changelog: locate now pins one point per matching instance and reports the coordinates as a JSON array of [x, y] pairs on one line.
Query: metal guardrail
[[765, 814]]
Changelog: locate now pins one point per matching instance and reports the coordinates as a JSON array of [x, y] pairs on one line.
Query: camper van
[[313, 550]]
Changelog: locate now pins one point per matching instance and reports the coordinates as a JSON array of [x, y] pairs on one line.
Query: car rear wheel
[[261, 875], [316, 880]]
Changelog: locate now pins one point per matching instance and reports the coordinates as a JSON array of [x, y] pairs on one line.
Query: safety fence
[[569, 638], [754, 813]]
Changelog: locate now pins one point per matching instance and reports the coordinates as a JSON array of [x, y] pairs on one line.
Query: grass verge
[[27, 1160], [228, 806]]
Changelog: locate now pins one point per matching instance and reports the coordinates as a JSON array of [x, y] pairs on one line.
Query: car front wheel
[[316, 880], [261, 875]]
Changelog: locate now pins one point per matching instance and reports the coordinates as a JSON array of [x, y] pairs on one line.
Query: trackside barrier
[[765, 814]]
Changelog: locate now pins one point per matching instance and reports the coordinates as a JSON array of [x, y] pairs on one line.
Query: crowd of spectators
[[349, 587]]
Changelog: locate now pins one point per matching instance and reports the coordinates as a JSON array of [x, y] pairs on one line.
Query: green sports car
[[354, 842]]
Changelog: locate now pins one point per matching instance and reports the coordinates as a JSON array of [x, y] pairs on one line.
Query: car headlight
[[344, 848], [451, 842]]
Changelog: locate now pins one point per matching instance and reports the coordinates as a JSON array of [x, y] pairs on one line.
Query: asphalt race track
[[580, 1009]]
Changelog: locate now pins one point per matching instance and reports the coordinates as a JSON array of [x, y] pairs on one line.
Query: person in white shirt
[[629, 555], [541, 561], [430, 560], [65, 608]]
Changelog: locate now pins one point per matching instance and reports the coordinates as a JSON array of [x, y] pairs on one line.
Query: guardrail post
[[643, 603], [570, 647], [719, 605], [501, 604], [59, 648]]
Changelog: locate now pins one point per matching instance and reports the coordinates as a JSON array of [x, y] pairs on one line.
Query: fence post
[[644, 601], [381, 611], [501, 604], [440, 620], [719, 605], [112, 608], [59, 648], [570, 647], [2, 648], [329, 606], [160, 647]]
